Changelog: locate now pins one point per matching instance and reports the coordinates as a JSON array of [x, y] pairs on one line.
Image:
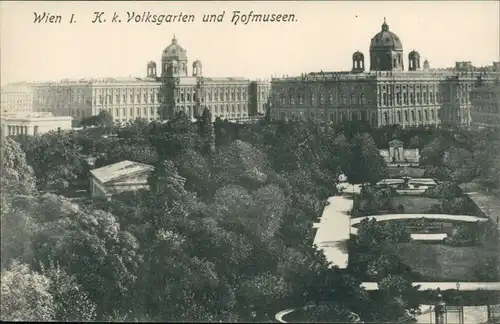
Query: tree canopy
[[224, 232]]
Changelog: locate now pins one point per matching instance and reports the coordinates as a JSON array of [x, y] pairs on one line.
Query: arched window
[[419, 115], [145, 98], [406, 116], [399, 116], [405, 98], [386, 118], [384, 99], [412, 98], [353, 99], [398, 98], [419, 98], [412, 116], [426, 114], [342, 99], [362, 99], [131, 98]]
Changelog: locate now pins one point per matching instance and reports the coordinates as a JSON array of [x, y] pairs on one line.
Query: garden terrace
[[440, 262], [380, 201]]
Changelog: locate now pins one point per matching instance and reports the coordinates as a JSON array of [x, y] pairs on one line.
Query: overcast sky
[[323, 37]]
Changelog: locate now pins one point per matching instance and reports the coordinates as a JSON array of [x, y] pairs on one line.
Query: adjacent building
[[387, 94], [16, 98], [486, 106], [127, 99], [119, 177], [32, 123]]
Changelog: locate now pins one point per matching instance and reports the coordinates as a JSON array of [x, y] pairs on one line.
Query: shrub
[[443, 190]]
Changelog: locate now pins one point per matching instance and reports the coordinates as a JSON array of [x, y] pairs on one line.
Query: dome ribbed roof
[[386, 40], [174, 52], [358, 54], [414, 54]]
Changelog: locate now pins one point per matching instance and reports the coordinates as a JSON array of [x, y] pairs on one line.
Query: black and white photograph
[[250, 161]]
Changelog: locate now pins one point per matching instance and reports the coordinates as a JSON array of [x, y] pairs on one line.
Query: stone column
[[25, 130]]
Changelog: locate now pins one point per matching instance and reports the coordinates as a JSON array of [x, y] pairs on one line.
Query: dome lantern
[[385, 27]]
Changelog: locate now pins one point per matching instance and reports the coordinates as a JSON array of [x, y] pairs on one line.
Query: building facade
[[387, 94], [32, 123], [16, 98], [127, 99], [119, 177], [486, 106]]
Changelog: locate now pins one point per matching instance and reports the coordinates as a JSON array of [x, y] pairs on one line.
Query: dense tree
[[142, 153], [398, 299], [25, 295], [70, 300], [224, 233], [102, 119], [241, 163], [366, 165], [17, 178], [56, 159], [16, 175], [207, 134]]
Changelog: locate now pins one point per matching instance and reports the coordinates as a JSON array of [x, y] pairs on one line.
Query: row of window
[[189, 114], [387, 100], [236, 108], [494, 109], [311, 99], [123, 112], [427, 116], [487, 119], [108, 99], [188, 97], [406, 117], [485, 96]]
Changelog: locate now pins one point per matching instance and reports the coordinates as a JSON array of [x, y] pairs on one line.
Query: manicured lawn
[[436, 262], [415, 204]]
